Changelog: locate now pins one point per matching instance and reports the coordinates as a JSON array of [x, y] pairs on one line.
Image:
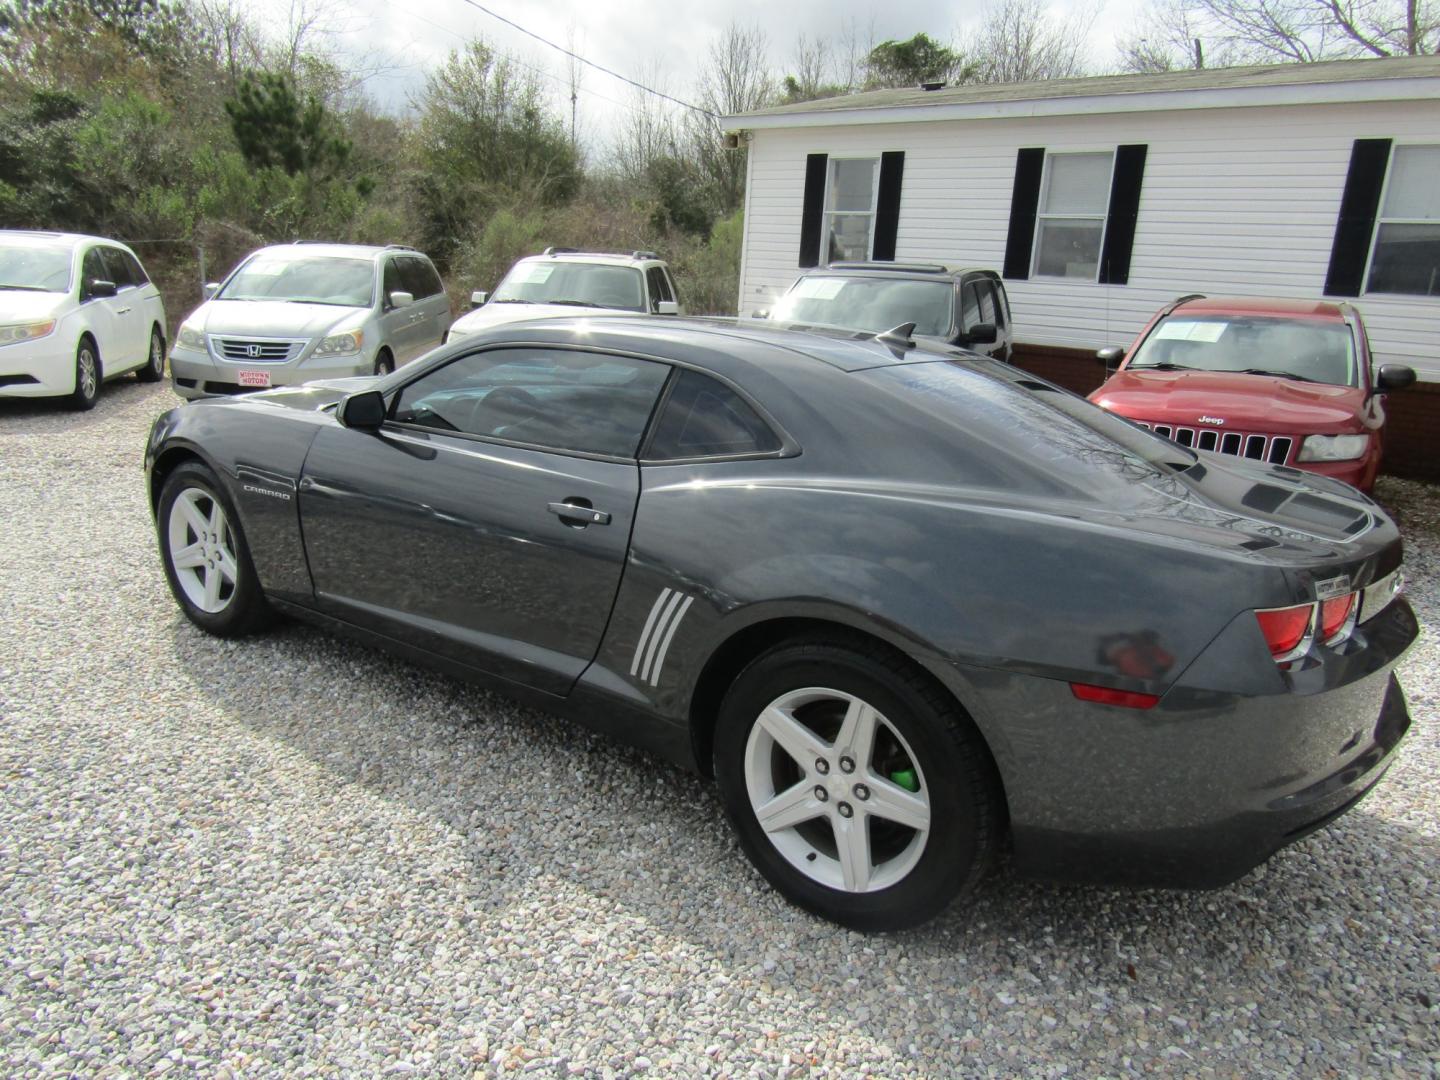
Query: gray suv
[[294, 313]]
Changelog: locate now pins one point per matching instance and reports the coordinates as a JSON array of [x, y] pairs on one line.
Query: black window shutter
[[1358, 206], [1024, 201], [887, 205], [816, 170], [1121, 217]]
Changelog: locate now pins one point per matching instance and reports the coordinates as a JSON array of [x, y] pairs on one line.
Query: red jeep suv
[[1283, 381]]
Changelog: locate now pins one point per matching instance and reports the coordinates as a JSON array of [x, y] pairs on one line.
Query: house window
[[1405, 253], [1070, 222], [850, 209]]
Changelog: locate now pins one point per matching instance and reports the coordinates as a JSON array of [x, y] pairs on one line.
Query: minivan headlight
[[1333, 447], [190, 338], [14, 332], [340, 344]]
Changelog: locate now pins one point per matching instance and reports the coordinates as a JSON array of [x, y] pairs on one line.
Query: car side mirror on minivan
[[211, 288], [96, 288], [667, 307], [982, 333], [399, 299], [478, 298], [1110, 357], [1394, 377], [364, 411]]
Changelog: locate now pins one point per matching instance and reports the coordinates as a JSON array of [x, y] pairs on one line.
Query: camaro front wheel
[[857, 787], [206, 561]]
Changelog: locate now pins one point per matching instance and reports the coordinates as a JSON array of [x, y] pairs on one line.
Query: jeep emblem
[[1211, 420]]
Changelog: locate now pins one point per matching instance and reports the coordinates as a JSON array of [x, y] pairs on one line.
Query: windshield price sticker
[[821, 288], [1190, 330], [533, 274]]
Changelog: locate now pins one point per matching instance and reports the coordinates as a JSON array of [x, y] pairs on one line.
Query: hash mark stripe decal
[[669, 636], [645, 634], [654, 643]]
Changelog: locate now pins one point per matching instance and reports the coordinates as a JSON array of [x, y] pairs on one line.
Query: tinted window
[[419, 276], [92, 268], [585, 402], [659, 287], [117, 269], [987, 302], [969, 306], [392, 280], [137, 272], [705, 418]]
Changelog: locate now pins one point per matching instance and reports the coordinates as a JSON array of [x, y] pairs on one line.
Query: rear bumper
[[1204, 787]]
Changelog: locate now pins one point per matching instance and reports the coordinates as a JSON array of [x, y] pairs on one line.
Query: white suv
[[563, 279], [293, 313], [75, 311]]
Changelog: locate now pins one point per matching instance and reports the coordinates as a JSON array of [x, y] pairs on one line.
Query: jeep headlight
[[190, 338], [340, 344], [14, 332], [1333, 447]]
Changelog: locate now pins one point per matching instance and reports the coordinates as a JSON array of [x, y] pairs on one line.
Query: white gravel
[[292, 854]]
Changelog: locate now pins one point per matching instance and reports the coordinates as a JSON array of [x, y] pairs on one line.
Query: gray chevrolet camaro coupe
[[907, 604]]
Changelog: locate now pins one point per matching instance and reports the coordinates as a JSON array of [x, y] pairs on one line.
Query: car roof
[[350, 251], [40, 238], [604, 258], [1319, 310], [912, 271]]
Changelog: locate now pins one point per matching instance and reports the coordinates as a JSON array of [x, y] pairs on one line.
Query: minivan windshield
[[1302, 349], [303, 278], [31, 268], [875, 304], [577, 284]]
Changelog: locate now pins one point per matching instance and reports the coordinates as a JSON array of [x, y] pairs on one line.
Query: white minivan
[[75, 311]]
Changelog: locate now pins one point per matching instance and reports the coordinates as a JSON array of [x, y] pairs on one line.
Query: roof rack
[[401, 247], [899, 268], [561, 251], [643, 255], [608, 254]]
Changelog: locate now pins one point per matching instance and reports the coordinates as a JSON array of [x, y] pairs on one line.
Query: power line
[[591, 63]]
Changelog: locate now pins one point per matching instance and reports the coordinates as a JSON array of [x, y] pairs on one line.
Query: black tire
[[384, 362], [961, 784], [88, 376], [154, 367], [244, 607]]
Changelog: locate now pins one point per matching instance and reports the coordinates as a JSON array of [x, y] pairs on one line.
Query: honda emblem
[[253, 351]]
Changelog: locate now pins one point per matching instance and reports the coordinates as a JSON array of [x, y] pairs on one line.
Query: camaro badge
[[1330, 588]]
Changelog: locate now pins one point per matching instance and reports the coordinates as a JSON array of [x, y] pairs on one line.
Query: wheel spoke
[[193, 517], [225, 566], [857, 732], [893, 803], [188, 557], [852, 842], [213, 578], [789, 808], [794, 738], [217, 520]]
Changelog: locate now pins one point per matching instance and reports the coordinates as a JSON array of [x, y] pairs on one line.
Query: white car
[[75, 311], [562, 280]]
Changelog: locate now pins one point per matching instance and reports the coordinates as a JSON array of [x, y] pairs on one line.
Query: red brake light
[[1285, 628], [1105, 696], [1333, 615]]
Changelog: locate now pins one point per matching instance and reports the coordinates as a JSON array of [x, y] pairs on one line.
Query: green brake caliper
[[906, 778]]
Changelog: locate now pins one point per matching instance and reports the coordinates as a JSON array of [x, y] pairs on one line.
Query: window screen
[[589, 403], [1074, 198], [705, 418], [850, 204], [1406, 256]]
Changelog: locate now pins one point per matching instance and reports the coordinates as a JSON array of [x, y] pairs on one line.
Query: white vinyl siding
[[1235, 201]]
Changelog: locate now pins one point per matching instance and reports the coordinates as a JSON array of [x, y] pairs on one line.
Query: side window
[[92, 268], [969, 306], [116, 268], [137, 272], [658, 287], [419, 276], [705, 418], [674, 293], [583, 402], [1002, 305], [987, 302]]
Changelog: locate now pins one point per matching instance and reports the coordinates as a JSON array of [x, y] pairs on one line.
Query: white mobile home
[[1101, 199]]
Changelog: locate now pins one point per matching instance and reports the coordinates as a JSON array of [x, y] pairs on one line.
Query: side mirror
[[478, 298], [763, 313], [211, 288], [667, 307], [364, 411], [98, 288], [1110, 357], [1394, 377], [982, 333], [400, 299]]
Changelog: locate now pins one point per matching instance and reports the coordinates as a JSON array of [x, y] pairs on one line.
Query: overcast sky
[[659, 42]]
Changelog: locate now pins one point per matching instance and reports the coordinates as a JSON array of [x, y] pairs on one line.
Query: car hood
[[1242, 402], [18, 305], [269, 318], [494, 314]]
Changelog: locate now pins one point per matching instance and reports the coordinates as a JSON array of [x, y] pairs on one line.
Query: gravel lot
[[295, 854]]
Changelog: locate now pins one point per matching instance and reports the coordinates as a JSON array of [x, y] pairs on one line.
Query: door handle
[[123, 311], [578, 515]]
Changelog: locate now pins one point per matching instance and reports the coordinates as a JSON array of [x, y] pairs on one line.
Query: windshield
[[1295, 348], [869, 303], [576, 283], [303, 278], [34, 269]]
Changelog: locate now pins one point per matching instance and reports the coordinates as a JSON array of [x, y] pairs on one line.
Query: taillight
[[1334, 614], [1286, 629], [1106, 696]]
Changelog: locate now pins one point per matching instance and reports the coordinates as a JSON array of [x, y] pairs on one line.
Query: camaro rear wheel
[[87, 376], [206, 560], [857, 787], [154, 368]]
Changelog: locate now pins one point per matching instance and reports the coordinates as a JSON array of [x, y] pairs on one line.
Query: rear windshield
[[1300, 349], [304, 279], [869, 303]]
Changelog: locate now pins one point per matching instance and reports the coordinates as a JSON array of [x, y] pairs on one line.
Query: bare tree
[[1019, 41], [650, 130], [736, 78], [857, 42], [1171, 37]]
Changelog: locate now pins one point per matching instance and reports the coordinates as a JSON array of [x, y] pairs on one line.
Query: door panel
[[402, 330], [449, 543], [102, 316]]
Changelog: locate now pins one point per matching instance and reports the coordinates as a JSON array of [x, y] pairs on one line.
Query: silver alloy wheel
[[87, 372], [157, 355], [824, 822], [202, 550]]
